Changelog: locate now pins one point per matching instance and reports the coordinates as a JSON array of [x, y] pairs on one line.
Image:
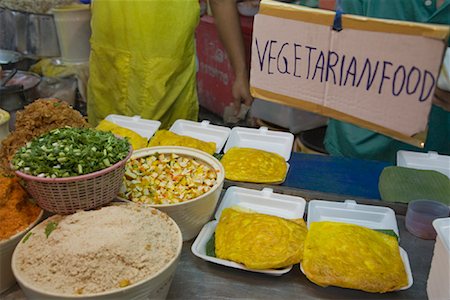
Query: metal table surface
[[198, 279]]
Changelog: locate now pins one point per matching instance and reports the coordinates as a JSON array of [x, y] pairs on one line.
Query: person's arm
[[228, 25]]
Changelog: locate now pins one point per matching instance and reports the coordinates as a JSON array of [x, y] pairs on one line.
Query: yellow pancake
[[253, 165], [136, 140], [168, 138], [259, 241], [352, 256]]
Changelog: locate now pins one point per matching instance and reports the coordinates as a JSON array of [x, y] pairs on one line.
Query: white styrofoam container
[[262, 139], [203, 131], [295, 120], [424, 161], [370, 216], [144, 127], [266, 202], [438, 284]]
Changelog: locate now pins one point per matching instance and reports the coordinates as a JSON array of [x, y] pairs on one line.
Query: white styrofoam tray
[[262, 139], [266, 202], [144, 127], [424, 161], [370, 216], [203, 131], [442, 227], [405, 259]]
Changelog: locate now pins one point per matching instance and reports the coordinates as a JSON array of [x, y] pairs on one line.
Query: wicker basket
[[69, 194]]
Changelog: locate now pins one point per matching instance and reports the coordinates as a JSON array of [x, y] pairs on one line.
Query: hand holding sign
[[378, 74]]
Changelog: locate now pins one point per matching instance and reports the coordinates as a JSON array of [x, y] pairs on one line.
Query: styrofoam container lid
[[424, 161], [266, 202], [262, 139], [144, 127], [203, 131], [370, 216], [442, 227]]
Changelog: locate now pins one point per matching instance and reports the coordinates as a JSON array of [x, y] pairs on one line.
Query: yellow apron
[[143, 60]]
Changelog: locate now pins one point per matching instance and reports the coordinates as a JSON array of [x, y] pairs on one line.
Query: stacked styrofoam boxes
[[438, 285]]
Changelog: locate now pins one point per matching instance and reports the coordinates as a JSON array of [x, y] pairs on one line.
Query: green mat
[[399, 184]]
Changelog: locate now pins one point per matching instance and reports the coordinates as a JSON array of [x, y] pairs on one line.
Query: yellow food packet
[[352, 256], [259, 241], [168, 138], [253, 165], [136, 140]]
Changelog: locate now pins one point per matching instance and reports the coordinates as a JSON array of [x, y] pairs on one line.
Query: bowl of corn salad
[[183, 182]]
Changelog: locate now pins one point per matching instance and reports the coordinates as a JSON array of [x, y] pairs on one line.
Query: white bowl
[[193, 214], [155, 286], [6, 251]]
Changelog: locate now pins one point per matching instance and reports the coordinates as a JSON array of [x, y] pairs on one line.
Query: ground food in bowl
[[16, 211], [96, 251], [167, 179]]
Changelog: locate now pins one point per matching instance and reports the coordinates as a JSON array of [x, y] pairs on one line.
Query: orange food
[[16, 211]]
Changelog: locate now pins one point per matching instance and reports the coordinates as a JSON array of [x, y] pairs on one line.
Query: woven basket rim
[[76, 178]]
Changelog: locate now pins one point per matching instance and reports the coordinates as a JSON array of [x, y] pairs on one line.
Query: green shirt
[[344, 139]]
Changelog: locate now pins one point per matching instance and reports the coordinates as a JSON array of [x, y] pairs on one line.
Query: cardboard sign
[[377, 74]]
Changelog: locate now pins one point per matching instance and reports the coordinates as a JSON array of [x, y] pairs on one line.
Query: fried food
[[253, 165], [34, 120], [352, 256], [136, 140], [259, 241], [16, 211], [168, 138]]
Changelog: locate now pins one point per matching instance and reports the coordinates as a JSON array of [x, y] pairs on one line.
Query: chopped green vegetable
[[27, 237], [50, 227], [388, 232], [67, 152], [211, 246]]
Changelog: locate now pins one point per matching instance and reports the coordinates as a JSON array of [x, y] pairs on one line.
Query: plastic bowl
[[155, 286], [193, 214], [420, 216], [6, 251]]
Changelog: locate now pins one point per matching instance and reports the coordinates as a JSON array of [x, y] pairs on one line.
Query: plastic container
[[266, 202], [7, 247], [144, 127], [203, 131], [424, 161], [438, 284], [193, 214], [295, 120], [73, 30], [370, 216], [262, 139], [420, 216]]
